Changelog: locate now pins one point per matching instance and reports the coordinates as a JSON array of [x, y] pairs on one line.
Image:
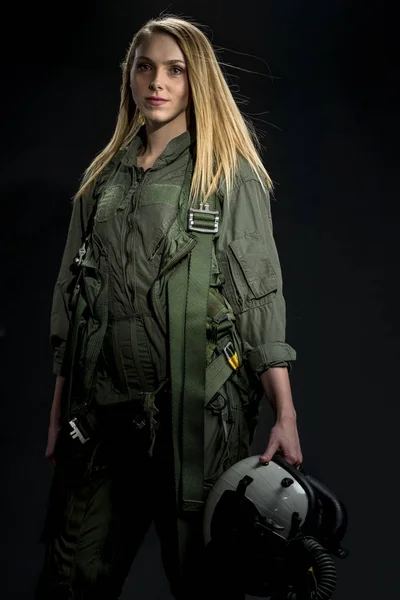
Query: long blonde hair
[[222, 132]]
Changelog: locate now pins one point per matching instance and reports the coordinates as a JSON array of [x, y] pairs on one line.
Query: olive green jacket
[[136, 235]]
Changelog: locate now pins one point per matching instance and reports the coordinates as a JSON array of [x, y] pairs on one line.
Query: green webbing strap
[[80, 307], [217, 373], [188, 290], [187, 367], [176, 304], [195, 368]]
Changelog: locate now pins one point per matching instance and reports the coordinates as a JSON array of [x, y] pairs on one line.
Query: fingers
[[273, 448], [269, 453], [294, 460]]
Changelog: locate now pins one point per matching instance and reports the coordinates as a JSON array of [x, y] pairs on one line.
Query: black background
[[324, 101]]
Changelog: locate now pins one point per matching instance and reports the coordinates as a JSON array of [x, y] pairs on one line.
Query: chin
[[160, 119]]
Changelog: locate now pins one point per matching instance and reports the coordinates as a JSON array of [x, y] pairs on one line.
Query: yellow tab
[[234, 361]]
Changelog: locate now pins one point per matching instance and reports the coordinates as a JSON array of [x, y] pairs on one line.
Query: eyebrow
[[166, 62]]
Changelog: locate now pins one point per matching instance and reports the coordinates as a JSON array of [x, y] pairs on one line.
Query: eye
[[177, 69], [140, 66]]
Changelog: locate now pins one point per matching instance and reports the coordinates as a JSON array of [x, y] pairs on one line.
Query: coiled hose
[[326, 570]]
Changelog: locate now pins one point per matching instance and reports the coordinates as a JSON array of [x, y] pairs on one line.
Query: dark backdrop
[[327, 116]]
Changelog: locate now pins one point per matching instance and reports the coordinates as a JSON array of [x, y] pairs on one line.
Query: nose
[[155, 85]]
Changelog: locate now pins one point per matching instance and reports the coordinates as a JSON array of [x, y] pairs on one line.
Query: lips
[[156, 101]]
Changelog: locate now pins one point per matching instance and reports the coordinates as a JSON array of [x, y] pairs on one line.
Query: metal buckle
[[76, 432], [202, 211], [81, 255]]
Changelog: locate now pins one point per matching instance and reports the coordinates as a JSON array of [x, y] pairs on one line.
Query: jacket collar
[[173, 150]]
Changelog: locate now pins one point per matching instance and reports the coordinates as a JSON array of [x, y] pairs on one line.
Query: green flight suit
[[106, 493]]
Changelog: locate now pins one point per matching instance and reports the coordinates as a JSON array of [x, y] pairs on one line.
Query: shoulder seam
[[238, 184]]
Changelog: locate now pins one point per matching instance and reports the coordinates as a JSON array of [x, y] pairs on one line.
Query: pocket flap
[[251, 254]]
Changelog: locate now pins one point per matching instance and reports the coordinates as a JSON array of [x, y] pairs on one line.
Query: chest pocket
[[156, 212], [114, 198]]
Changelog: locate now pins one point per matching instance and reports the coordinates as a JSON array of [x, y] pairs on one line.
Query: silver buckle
[[76, 432], [81, 255], [202, 211]]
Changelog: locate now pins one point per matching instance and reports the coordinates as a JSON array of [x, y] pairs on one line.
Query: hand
[[52, 437], [284, 438]]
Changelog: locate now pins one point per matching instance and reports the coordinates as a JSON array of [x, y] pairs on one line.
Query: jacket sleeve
[[60, 320], [61, 317], [248, 258]]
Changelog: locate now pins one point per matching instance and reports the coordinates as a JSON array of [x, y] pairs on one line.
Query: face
[[159, 71]]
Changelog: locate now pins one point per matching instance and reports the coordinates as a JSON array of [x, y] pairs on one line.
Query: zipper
[[131, 212], [157, 248], [122, 248], [135, 189], [167, 268], [138, 190]]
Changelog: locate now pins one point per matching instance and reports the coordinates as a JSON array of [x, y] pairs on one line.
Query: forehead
[[160, 47]]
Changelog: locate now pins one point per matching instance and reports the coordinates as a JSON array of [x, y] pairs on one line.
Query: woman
[[137, 339]]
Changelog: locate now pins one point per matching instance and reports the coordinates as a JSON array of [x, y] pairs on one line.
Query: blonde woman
[[158, 374]]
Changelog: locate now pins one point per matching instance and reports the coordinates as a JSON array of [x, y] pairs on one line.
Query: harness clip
[[76, 432], [208, 219], [231, 355]]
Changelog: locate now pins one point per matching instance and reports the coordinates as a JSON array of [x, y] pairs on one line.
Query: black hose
[[325, 571]]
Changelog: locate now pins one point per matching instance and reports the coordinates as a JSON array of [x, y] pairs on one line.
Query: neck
[[159, 136]]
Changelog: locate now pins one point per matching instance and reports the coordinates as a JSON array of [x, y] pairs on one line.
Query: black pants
[[102, 503]]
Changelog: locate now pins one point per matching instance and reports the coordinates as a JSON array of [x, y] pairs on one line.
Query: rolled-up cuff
[[275, 354]]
